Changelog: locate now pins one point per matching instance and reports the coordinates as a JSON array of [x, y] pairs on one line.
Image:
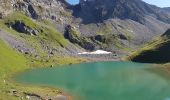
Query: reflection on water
[[167, 98], [103, 81]]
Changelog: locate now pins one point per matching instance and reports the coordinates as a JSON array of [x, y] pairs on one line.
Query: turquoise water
[[103, 81]]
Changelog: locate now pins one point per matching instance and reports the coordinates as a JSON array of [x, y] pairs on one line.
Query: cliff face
[[99, 10], [36, 9]]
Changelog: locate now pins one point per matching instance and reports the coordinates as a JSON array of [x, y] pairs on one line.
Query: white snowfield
[[95, 52]]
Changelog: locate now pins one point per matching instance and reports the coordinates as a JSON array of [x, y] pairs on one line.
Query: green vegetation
[[13, 62], [153, 51], [112, 39], [18, 16], [46, 35], [74, 36], [102, 39], [10, 59], [10, 62], [106, 29], [45, 32]]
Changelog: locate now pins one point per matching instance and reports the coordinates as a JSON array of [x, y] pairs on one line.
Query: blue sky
[[73, 1], [160, 3]]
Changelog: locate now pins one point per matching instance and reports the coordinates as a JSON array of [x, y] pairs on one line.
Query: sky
[[160, 3], [73, 1]]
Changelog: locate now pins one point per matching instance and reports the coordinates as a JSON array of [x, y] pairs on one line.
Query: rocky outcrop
[[35, 96], [73, 36], [20, 26], [37, 9], [100, 38], [27, 8], [106, 41]]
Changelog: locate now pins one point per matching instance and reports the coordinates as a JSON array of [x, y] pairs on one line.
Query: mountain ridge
[[123, 9], [118, 19]]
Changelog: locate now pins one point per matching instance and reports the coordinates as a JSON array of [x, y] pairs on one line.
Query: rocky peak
[[98, 10]]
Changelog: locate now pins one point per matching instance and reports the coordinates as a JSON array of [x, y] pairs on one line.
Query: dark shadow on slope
[[159, 56]]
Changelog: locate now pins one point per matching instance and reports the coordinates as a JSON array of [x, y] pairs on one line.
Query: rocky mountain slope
[[99, 10], [133, 18], [37, 33], [167, 9], [114, 20]]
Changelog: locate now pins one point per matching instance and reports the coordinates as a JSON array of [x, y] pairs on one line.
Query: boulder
[[1, 15], [122, 36], [20, 26], [100, 38]]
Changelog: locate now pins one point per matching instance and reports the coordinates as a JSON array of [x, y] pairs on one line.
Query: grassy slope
[[155, 51], [12, 62], [47, 34]]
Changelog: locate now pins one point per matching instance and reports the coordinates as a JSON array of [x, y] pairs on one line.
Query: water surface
[[103, 81]]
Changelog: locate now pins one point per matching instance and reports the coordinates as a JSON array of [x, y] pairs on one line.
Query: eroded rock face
[[37, 9], [73, 36], [27, 8], [32, 12]]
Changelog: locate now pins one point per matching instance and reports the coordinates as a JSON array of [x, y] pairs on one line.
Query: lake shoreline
[[152, 69], [61, 92]]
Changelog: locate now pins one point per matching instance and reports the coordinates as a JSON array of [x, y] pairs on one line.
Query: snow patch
[[95, 52]]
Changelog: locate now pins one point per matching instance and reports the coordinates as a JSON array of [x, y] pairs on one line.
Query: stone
[[123, 37], [26, 53], [61, 97], [53, 17], [100, 38], [20, 26], [52, 66], [32, 12], [1, 15]]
